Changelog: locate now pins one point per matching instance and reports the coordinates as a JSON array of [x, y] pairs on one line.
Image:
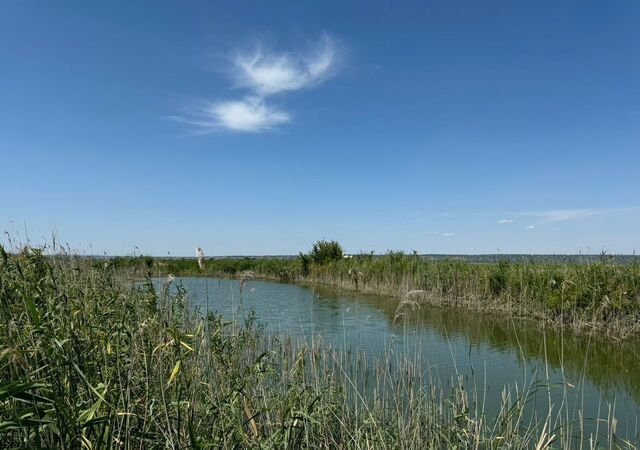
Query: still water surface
[[485, 350]]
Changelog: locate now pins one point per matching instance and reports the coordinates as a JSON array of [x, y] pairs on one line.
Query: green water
[[587, 374]]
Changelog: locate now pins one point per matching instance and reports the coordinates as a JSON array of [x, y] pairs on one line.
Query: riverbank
[[600, 295], [87, 359]]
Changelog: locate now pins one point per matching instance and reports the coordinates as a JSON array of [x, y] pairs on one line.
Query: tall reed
[[90, 358]]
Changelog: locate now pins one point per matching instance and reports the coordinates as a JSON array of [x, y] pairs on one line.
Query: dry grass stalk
[[200, 256]]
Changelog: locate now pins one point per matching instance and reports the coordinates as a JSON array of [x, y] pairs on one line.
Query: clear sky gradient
[[255, 128]]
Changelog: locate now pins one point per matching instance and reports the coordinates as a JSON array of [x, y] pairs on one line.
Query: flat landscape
[[320, 225], [318, 351]]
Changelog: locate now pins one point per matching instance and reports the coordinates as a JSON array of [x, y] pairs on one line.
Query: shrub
[[324, 251]]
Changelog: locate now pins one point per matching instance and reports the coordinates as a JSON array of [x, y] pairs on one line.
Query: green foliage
[[324, 251], [89, 359], [499, 278], [305, 262]]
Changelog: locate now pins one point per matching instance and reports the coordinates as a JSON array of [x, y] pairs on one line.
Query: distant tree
[[324, 251]]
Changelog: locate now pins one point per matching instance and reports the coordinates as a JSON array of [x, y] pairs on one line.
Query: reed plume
[[200, 256]]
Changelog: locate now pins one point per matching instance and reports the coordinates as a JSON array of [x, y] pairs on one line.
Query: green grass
[[91, 359]]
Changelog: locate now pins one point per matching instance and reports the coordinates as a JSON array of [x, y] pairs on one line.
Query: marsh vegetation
[[600, 295], [94, 354]]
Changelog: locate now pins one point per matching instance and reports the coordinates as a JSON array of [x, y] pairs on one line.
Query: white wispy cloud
[[505, 221], [264, 74], [247, 115], [530, 227], [562, 215], [270, 73], [439, 233]]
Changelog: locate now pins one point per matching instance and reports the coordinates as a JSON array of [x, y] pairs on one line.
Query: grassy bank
[[600, 294], [89, 359]]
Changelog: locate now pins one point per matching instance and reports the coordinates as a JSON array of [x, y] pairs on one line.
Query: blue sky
[[251, 128]]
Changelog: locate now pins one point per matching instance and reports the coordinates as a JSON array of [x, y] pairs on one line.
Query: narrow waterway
[[587, 376]]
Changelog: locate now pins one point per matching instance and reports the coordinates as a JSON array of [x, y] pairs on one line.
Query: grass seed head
[[200, 256]]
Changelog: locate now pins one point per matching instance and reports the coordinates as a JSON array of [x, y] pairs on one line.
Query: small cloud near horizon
[[562, 215], [530, 227], [439, 233], [505, 221], [264, 74]]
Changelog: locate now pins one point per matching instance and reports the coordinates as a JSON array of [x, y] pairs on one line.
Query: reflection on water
[[489, 351]]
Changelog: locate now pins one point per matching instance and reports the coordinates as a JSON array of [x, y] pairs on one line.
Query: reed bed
[[93, 356]]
